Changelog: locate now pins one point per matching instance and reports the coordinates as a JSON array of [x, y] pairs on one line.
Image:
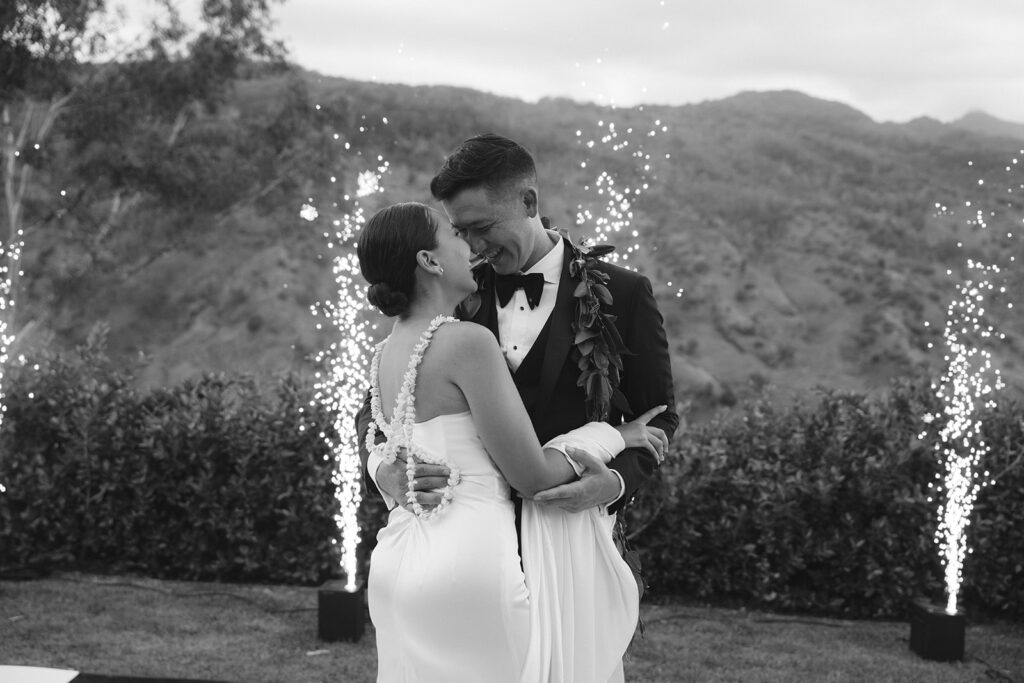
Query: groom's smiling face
[[499, 227]]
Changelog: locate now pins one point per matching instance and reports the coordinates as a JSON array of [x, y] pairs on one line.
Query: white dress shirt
[[518, 324]]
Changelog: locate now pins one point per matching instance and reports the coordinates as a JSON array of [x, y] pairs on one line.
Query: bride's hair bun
[[386, 299], [387, 249]]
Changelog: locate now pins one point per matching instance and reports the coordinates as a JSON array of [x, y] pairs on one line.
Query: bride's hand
[[639, 434], [429, 478]]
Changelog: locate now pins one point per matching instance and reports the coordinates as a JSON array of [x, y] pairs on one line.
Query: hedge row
[[825, 508], [821, 507], [216, 479]]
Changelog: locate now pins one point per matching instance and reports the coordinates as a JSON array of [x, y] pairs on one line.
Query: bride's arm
[[479, 370]]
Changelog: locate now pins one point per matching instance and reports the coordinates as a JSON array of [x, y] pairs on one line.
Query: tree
[[61, 66], [57, 57]]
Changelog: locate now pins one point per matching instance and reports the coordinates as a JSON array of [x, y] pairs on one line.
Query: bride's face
[[454, 256]]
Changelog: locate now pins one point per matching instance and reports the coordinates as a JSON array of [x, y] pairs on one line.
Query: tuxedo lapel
[[560, 335]]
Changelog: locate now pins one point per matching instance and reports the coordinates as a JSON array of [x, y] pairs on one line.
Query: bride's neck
[[425, 309]]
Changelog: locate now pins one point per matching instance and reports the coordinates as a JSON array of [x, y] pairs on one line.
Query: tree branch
[[23, 133], [136, 267], [1012, 466], [16, 207], [179, 123], [650, 520], [8, 149], [52, 112], [117, 211]]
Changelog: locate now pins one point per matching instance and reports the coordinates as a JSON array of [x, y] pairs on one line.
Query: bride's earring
[[440, 270]]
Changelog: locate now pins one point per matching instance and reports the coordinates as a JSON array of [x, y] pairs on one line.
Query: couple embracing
[[522, 398]]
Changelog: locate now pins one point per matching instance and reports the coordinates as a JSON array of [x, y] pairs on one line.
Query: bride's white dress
[[449, 599]]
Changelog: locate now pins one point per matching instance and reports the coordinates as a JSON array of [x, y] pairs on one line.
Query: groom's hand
[[393, 479], [639, 434], [596, 486]]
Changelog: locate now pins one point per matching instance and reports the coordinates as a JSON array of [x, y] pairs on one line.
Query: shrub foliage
[[217, 478], [825, 508], [822, 507]]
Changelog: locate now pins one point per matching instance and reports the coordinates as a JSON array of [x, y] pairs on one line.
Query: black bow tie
[[506, 285]]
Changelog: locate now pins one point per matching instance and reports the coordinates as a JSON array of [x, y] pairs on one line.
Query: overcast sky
[[892, 59]]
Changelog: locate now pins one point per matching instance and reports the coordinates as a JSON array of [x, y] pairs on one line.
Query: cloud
[[893, 59]]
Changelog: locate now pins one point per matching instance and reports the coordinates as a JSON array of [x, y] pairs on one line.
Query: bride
[[449, 595]]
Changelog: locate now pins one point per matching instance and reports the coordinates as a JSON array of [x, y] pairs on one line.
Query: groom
[[535, 287]]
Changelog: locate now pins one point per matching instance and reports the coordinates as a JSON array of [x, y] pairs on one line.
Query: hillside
[[980, 122], [803, 234]]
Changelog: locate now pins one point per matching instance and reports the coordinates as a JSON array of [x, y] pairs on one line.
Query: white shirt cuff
[[599, 439], [373, 463]]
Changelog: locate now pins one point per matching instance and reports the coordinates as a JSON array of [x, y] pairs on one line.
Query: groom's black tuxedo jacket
[[546, 378]]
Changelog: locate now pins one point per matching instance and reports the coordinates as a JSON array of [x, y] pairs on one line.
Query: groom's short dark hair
[[489, 160]]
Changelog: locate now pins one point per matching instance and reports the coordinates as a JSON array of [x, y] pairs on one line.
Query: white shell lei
[[398, 432]]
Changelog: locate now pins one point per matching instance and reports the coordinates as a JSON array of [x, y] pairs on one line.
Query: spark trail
[[10, 258], [341, 385], [966, 389]]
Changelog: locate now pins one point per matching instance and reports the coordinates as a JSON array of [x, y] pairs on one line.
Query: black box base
[[936, 635], [341, 614]]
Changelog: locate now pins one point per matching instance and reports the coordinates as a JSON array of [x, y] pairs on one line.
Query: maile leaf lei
[[597, 346]]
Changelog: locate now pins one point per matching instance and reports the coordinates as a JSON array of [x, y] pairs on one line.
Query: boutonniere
[[597, 346]]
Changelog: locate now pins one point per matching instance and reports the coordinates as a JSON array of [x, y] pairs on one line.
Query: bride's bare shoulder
[[465, 339]]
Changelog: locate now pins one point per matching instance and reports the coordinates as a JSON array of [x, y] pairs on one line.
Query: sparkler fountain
[[10, 257], [611, 210], [339, 389], [616, 215], [965, 388]]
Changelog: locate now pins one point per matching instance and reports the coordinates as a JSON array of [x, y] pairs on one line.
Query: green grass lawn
[[232, 632]]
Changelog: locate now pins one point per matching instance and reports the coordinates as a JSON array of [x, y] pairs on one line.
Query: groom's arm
[[646, 382], [363, 418]]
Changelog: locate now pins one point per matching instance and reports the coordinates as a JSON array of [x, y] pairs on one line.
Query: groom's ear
[[530, 201]]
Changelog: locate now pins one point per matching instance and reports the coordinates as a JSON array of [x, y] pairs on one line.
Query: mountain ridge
[[981, 122], [804, 236]]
